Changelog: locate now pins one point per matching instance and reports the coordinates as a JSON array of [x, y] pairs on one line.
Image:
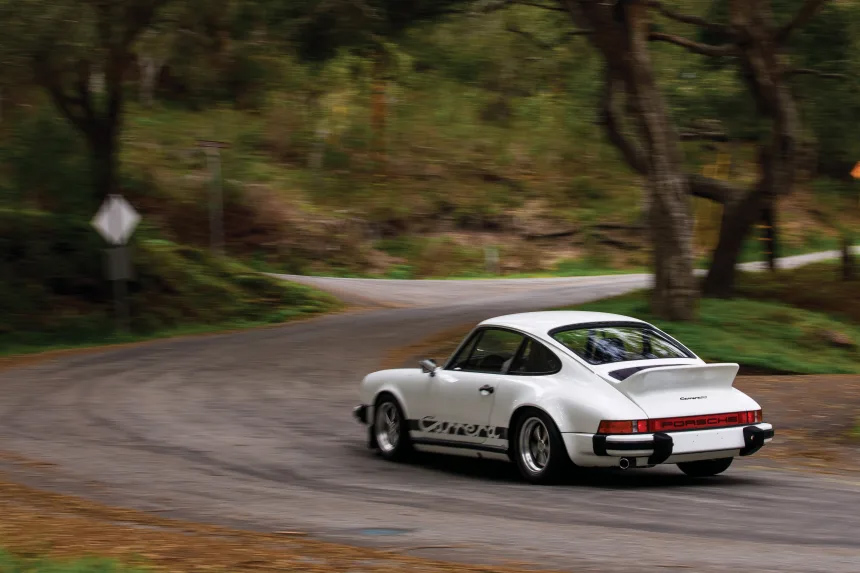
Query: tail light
[[753, 417], [679, 424], [623, 427]]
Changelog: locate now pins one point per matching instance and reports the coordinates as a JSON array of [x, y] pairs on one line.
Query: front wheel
[[705, 468], [389, 430], [539, 450]]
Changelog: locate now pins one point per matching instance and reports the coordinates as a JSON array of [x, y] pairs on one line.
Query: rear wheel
[[389, 429], [705, 468], [539, 450]]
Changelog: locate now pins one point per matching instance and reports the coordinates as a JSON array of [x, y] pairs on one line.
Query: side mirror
[[428, 366]]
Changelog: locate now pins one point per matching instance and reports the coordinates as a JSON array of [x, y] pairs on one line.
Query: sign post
[[216, 195], [115, 221]]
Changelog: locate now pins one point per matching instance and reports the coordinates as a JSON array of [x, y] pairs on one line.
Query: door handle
[[486, 389]]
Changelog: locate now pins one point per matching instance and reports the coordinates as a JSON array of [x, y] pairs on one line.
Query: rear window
[[608, 344]]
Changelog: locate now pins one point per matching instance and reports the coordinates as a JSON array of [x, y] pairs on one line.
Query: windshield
[[607, 344]]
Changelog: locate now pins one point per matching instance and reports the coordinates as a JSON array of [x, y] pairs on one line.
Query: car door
[[532, 364], [461, 395]]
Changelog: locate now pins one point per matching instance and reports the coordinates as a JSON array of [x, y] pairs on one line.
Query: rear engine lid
[[682, 390]]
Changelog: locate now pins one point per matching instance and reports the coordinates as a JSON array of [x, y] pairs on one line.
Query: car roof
[[540, 323]]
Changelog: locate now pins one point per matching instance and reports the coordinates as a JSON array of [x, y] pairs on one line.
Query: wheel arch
[[393, 393], [520, 412]]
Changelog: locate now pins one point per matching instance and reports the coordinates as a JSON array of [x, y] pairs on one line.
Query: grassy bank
[[13, 564], [762, 335]]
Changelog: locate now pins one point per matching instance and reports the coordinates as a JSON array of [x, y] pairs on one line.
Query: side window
[[494, 351], [535, 359], [462, 357]]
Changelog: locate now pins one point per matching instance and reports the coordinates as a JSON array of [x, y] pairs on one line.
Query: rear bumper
[[667, 447], [657, 447]]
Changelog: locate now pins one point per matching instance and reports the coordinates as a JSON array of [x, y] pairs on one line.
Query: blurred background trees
[[411, 138], [80, 53]]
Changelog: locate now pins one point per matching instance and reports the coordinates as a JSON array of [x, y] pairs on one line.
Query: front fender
[[405, 385]]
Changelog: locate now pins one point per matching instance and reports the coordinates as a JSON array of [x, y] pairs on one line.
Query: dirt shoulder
[[814, 416], [38, 523]]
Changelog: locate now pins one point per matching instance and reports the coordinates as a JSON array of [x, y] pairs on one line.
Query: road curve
[[253, 430]]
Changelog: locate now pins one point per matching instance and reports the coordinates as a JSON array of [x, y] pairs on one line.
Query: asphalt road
[[254, 430]]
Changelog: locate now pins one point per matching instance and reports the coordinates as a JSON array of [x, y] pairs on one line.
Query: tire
[[389, 430], [538, 449], [705, 468]]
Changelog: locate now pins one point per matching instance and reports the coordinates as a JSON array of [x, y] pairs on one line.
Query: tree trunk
[[849, 272], [103, 137], [770, 234], [763, 71], [675, 294], [150, 67], [738, 218], [103, 160], [621, 34]]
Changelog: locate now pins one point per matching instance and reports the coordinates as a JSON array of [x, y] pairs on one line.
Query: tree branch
[[609, 119], [138, 17], [494, 5], [695, 47], [71, 107], [687, 19], [540, 43], [713, 189], [692, 135], [811, 72], [806, 13], [538, 5]]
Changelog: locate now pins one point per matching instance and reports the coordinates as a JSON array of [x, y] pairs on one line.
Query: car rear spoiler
[[684, 377]]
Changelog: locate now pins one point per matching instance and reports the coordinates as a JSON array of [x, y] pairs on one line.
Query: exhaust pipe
[[624, 463]]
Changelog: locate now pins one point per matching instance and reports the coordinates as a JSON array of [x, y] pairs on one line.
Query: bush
[[56, 292], [47, 164]]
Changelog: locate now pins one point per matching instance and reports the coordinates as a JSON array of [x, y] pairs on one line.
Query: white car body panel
[[447, 409]]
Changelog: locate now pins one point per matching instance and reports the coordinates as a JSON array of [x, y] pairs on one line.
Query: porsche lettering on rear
[[556, 391]]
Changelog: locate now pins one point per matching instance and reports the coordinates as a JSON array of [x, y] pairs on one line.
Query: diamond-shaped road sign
[[856, 172], [116, 220]]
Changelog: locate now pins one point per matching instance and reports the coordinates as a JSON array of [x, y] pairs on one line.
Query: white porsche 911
[[552, 391]]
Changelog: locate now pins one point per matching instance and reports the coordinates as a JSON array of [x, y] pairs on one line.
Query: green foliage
[[12, 564], [830, 43], [817, 287], [482, 124], [766, 335], [320, 29], [54, 290], [45, 163]]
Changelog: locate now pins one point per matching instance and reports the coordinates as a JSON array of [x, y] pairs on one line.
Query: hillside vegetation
[[475, 140]]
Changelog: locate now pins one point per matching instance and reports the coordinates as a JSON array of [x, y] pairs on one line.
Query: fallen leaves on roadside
[[38, 523]]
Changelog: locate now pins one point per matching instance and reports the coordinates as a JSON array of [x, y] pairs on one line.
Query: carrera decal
[[431, 425]]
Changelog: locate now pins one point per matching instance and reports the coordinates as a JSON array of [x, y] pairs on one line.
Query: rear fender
[[571, 414]]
